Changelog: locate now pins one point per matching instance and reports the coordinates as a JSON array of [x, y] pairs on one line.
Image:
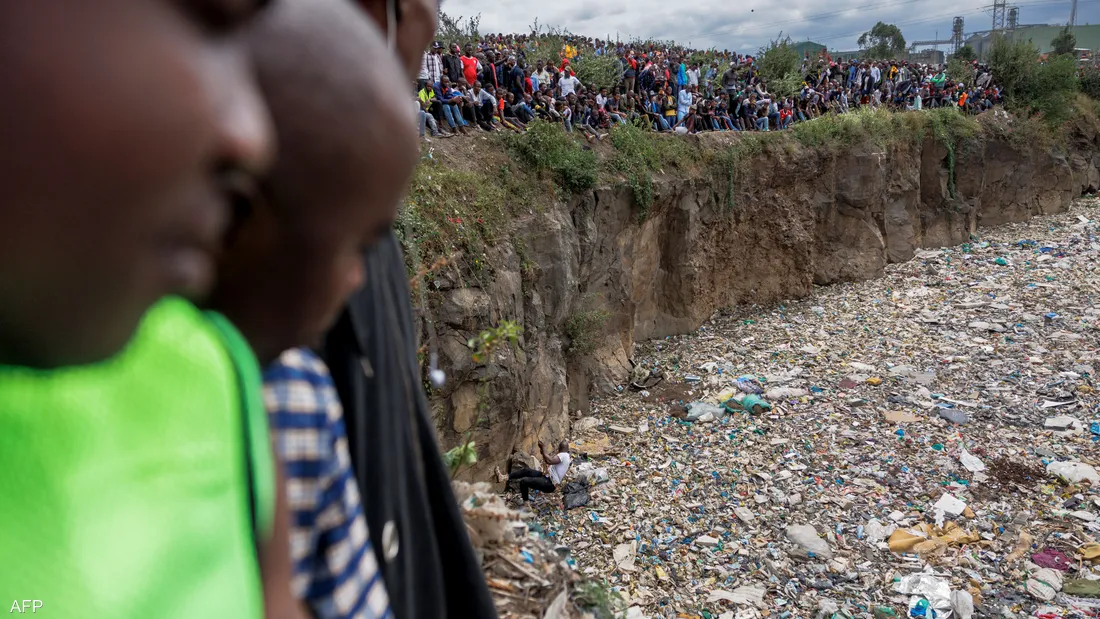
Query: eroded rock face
[[786, 225]]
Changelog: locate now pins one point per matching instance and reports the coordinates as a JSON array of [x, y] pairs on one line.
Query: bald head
[[328, 79], [346, 149]]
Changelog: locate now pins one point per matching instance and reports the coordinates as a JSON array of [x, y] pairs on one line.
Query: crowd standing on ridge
[[506, 81]]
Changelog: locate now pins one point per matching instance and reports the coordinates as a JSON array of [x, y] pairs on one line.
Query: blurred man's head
[[118, 118], [346, 151]]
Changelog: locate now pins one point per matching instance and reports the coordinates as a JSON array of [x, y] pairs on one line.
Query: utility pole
[[1013, 18], [956, 34], [999, 14]]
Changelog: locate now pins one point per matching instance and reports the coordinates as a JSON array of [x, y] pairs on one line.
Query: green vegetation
[[451, 212], [1090, 82], [599, 599], [489, 341], [583, 329], [463, 31], [639, 153], [600, 71], [780, 67], [965, 53], [961, 70], [952, 130], [463, 456], [556, 154], [1039, 89], [481, 351], [1064, 43], [882, 41]]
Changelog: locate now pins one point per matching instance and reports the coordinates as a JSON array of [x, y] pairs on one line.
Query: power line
[[877, 5], [956, 13]]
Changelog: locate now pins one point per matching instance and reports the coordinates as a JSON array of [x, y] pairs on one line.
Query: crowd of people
[[505, 82]]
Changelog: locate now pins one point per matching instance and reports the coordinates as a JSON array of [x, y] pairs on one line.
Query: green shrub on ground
[[451, 212], [780, 67], [1033, 88], [600, 71], [639, 153], [556, 153], [1090, 82]]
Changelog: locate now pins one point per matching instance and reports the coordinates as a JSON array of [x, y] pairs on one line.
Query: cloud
[[749, 24]]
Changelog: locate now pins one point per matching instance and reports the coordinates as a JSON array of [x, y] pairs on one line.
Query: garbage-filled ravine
[[924, 444]]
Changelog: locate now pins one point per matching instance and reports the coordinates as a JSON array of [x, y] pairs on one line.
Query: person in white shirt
[[529, 479], [568, 84]]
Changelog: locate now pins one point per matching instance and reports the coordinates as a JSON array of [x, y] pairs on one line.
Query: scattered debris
[[925, 444]]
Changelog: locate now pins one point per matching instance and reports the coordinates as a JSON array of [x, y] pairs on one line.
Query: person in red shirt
[[469, 65]]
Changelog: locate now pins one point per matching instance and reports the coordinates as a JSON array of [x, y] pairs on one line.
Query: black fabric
[[538, 482], [372, 355], [574, 495], [521, 473]]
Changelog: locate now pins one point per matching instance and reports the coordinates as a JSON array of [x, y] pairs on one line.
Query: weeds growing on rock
[[640, 153], [451, 212], [555, 153], [583, 329], [951, 129]]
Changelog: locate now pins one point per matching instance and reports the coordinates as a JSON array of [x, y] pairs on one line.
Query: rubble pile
[[528, 577], [924, 445]]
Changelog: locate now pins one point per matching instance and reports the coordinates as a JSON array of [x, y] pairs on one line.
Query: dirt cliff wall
[[787, 220]]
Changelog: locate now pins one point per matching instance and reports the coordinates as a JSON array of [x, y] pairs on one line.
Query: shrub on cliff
[[1090, 82], [780, 67], [553, 152], [1031, 87]]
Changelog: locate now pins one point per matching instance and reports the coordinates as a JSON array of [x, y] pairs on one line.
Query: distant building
[[859, 53], [1088, 37], [928, 56], [808, 48]]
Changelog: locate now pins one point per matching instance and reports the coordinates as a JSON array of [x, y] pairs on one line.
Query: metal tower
[[1073, 14], [999, 14], [1013, 18], [956, 34]]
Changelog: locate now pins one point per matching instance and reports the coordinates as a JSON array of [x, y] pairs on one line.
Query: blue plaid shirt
[[335, 570]]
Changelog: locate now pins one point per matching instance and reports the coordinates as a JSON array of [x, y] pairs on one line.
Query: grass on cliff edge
[[471, 194]]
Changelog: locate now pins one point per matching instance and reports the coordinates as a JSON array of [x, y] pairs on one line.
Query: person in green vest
[[135, 465]]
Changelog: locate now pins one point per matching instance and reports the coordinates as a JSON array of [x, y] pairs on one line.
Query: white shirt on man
[[558, 471], [569, 85]]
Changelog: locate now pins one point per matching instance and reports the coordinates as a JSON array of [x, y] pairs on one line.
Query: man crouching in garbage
[[529, 479]]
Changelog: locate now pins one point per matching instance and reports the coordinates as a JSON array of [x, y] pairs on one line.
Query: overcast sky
[[745, 25]]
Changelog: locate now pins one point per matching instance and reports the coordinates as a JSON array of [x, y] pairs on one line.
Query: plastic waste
[[1074, 472], [750, 404], [1053, 559], [970, 462], [575, 494], [933, 591], [1044, 584], [962, 604], [750, 385], [806, 538], [785, 393], [699, 409]]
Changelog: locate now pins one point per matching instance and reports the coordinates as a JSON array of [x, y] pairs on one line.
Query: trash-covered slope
[[931, 446], [586, 275]]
